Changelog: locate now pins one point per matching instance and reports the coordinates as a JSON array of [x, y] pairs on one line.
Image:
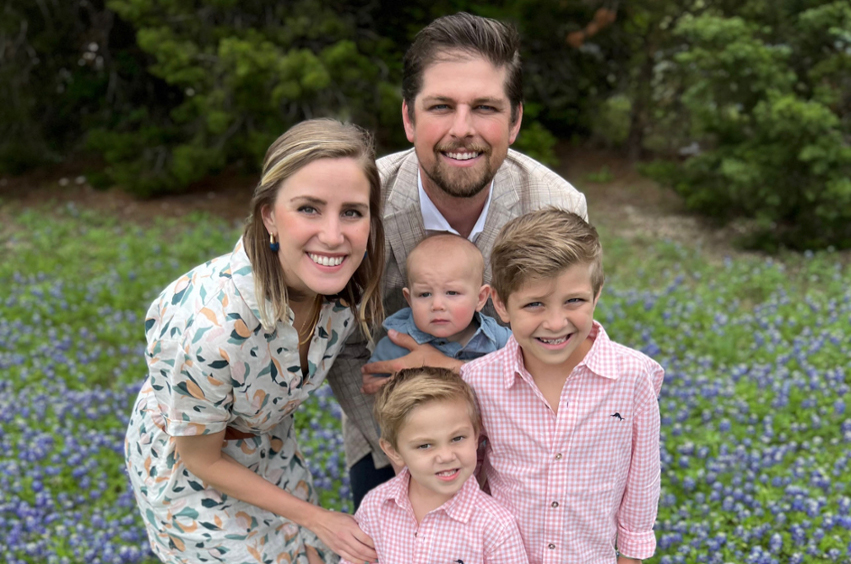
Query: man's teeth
[[325, 261], [462, 156], [552, 341]]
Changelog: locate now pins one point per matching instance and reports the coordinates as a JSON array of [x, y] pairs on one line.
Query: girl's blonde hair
[[301, 145]]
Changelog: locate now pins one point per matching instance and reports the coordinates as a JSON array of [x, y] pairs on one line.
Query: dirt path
[[625, 205]]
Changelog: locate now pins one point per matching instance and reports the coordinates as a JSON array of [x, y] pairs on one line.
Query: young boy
[[571, 418], [433, 510], [446, 293]]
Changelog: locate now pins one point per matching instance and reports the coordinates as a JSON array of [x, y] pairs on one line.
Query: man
[[463, 105]]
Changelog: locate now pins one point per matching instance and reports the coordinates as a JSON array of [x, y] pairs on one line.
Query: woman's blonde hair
[[301, 145]]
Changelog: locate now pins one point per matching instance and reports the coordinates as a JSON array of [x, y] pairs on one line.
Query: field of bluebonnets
[[756, 428]]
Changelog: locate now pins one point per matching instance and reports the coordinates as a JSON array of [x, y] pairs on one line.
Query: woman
[[235, 345]]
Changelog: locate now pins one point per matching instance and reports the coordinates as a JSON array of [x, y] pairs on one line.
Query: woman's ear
[[269, 219]]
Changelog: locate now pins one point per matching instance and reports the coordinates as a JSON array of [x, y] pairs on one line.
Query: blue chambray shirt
[[489, 337]]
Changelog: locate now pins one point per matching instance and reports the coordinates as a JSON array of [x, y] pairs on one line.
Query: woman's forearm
[[203, 456]]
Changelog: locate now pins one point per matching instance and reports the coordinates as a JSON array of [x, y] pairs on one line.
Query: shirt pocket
[[602, 446]]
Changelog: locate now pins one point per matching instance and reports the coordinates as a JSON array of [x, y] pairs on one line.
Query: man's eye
[[439, 107], [486, 108]]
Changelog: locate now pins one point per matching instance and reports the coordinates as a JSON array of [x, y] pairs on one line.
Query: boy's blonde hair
[[444, 240], [540, 245], [412, 387]]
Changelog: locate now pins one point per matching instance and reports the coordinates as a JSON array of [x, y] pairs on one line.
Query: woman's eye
[[352, 213], [307, 209]]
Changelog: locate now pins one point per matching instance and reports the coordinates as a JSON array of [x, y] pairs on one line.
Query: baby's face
[[444, 293]]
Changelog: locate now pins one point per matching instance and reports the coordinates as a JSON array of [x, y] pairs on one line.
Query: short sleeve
[[191, 385]]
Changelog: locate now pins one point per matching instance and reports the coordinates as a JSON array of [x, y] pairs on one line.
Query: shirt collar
[[433, 220], [403, 321], [593, 361], [459, 507]]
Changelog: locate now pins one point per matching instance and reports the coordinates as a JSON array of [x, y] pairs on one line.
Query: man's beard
[[461, 183]]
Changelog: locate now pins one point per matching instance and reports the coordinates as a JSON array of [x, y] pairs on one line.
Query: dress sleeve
[[190, 376]]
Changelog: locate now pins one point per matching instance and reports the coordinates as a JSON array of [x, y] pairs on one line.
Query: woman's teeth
[[325, 261]]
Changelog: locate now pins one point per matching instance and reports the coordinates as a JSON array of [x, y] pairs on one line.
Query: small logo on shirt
[[618, 415], [459, 561]]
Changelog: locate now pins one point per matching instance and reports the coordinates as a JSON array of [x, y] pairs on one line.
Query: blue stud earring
[[274, 245]]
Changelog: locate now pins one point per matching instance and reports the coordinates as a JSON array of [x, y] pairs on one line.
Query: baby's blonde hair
[[442, 241]]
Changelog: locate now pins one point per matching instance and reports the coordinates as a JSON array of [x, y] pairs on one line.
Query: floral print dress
[[212, 366]]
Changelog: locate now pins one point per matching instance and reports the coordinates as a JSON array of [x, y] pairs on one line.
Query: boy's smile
[[552, 318]]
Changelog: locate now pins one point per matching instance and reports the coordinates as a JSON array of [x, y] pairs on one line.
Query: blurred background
[[742, 107]]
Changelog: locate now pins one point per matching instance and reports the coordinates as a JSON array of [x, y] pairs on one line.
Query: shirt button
[[555, 504], [551, 546], [558, 456]]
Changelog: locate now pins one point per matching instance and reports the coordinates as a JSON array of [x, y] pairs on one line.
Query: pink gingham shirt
[[471, 527], [586, 479]]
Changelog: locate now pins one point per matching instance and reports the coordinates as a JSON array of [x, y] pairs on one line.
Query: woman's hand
[[203, 456], [420, 355], [342, 535]]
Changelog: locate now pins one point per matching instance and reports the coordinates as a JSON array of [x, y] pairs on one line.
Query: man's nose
[[462, 123]]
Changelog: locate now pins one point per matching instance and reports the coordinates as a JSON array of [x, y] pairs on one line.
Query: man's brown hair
[[445, 37]]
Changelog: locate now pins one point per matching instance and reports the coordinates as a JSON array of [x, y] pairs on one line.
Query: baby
[[433, 510], [445, 292]]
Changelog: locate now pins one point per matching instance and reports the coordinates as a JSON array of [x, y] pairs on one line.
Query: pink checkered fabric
[[585, 480], [470, 528]]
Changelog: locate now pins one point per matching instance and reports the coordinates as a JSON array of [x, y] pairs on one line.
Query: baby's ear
[[407, 294], [484, 294]]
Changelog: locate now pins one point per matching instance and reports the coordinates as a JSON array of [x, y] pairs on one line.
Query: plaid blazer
[[521, 185]]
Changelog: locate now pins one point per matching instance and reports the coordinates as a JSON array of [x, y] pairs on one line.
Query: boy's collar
[[459, 507], [593, 360]]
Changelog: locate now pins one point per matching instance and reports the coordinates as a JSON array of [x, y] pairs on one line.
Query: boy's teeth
[[325, 261], [462, 156], [553, 341]]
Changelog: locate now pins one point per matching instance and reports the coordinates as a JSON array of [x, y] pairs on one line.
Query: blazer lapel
[[403, 220], [503, 201]]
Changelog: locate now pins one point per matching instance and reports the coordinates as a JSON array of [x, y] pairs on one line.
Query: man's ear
[[407, 294], [484, 294], [408, 121], [515, 127], [500, 308], [391, 453]]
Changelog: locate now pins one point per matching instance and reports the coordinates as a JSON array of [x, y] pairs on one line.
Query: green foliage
[[245, 72], [775, 138], [613, 120]]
